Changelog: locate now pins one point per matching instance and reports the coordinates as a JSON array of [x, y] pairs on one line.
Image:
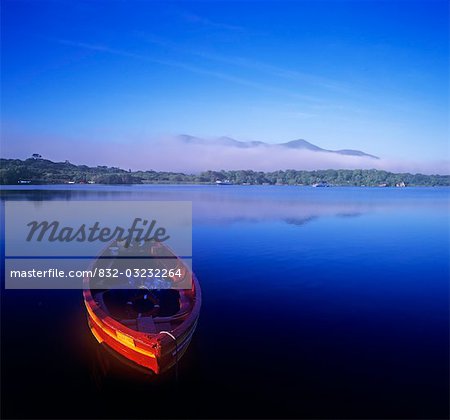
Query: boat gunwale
[[143, 338]]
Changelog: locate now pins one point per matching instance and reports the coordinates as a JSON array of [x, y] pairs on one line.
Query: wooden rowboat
[[151, 327]]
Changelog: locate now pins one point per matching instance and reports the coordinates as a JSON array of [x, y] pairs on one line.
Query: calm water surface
[[317, 303]]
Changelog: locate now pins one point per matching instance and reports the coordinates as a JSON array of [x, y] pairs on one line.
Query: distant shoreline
[[30, 187], [39, 171]]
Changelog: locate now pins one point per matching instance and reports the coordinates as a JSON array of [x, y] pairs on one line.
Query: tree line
[[42, 171]]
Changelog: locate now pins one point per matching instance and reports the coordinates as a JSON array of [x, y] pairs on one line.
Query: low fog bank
[[176, 156], [171, 154]]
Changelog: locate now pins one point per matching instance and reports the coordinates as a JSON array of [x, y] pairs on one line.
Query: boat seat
[[146, 324]]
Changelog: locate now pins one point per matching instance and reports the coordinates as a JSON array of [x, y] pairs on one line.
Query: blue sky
[[342, 74]]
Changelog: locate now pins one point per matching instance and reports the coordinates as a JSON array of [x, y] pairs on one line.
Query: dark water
[[317, 303]]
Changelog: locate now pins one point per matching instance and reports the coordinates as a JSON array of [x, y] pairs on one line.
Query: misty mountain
[[299, 144]]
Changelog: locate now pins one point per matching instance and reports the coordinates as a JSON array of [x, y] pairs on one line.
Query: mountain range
[[299, 144]]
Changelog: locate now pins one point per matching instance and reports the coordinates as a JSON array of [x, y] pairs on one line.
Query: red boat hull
[[155, 351]]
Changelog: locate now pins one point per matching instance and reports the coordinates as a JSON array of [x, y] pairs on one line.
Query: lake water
[[317, 303]]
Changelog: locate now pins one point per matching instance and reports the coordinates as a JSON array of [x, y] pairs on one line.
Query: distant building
[[224, 182], [36, 156], [400, 184]]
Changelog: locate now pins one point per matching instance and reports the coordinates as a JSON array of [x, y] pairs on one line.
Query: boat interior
[[148, 311], [144, 304]]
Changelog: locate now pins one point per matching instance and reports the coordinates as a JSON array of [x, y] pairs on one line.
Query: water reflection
[[234, 204], [330, 294]]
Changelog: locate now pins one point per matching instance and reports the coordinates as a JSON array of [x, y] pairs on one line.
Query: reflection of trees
[[348, 214], [228, 205], [300, 221]]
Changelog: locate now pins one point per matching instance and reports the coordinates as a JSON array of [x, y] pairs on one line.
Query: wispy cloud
[[191, 68], [201, 20], [253, 64], [276, 71], [301, 115]]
